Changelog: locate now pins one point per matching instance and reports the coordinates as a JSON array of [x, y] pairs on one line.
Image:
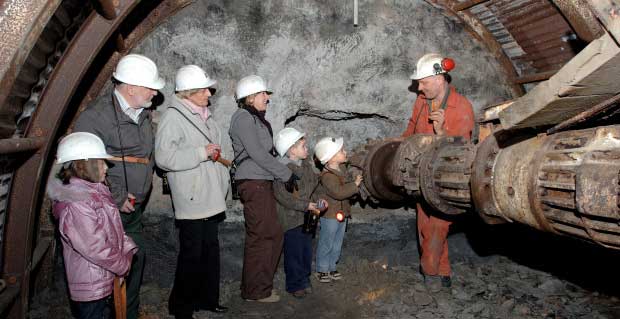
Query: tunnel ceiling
[[48, 48]]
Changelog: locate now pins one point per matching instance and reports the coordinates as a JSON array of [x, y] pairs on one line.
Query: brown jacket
[[337, 187]]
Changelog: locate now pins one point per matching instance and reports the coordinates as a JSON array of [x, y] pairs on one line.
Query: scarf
[[260, 115]]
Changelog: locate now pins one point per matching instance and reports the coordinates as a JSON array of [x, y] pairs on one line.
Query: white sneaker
[[335, 275], [323, 277]]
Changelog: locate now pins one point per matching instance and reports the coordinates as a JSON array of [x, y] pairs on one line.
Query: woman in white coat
[[188, 147]]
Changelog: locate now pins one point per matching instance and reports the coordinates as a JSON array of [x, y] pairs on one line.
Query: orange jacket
[[459, 117]]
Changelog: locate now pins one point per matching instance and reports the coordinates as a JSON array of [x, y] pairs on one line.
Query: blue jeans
[[330, 244], [297, 259], [97, 309]]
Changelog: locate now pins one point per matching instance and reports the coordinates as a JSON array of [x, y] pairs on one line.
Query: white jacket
[[198, 185]]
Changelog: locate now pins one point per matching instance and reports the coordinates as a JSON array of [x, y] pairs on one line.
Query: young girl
[[338, 187], [95, 247]]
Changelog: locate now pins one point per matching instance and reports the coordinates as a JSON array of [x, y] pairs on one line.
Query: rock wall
[[328, 77]]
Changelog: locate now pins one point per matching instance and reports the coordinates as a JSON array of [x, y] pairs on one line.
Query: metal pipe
[[355, 12], [108, 8], [16, 145]]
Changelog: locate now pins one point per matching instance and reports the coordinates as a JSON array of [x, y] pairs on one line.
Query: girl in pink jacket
[[95, 247]]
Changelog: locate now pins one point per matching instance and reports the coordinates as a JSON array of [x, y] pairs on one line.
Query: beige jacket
[[198, 185]]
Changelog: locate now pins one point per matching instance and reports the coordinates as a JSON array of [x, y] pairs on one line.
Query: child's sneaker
[[335, 275], [323, 277]]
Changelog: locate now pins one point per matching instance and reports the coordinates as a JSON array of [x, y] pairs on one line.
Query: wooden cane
[[120, 298], [224, 162]]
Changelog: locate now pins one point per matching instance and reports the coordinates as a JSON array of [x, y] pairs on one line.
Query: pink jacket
[[95, 247]]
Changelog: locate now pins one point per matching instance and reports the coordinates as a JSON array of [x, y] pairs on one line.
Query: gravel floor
[[538, 276]]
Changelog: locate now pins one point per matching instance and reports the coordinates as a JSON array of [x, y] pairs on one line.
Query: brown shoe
[[299, 294], [271, 298]]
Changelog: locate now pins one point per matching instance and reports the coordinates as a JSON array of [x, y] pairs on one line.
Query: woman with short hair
[[188, 147], [257, 167]]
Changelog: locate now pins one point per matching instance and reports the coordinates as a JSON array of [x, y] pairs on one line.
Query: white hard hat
[[80, 146], [286, 138], [327, 147], [249, 85], [428, 65], [136, 69], [192, 77]]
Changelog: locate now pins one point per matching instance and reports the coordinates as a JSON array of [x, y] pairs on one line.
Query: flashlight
[[340, 216], [132, 201], [216, 156]]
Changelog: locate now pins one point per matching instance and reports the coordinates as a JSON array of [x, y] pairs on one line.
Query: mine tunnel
[[533, 196]]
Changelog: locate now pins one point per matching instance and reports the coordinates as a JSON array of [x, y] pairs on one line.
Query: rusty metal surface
[[406, 166], [28, 180], [15, 145], [107, 8], [467, 4], [577, 184], [159, 14], [21, 22], [445, 175], [581, 18], [482, 182], [537, 36], [36, 69], [377, 168], [479, 30]]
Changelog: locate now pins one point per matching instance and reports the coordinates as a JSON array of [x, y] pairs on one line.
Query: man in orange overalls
[[439, 110]]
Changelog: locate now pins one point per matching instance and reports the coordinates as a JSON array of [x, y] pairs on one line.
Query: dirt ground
[[538, 276]]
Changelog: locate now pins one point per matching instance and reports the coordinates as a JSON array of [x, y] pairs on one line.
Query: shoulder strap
[[444, 101], [192, 123], [236, 157]]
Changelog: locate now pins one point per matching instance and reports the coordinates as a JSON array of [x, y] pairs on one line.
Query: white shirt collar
[[133, 113]]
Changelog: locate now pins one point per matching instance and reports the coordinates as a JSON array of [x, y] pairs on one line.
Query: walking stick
[[120, 298]]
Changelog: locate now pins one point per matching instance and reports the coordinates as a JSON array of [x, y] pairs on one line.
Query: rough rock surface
[[328, 76], [494, 276]]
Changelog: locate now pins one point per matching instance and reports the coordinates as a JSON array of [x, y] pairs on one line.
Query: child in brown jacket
[[338, 187]]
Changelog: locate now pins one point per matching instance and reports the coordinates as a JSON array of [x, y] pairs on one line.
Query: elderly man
[[124, 125], [438, 110], [188, 146]]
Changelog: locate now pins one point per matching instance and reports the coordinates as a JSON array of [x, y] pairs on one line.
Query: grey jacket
[[198, 184], [138, 141], [291, 207], [251, 140]]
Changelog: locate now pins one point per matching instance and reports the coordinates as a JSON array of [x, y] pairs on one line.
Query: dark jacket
[[251, 140], [337, 187], [138, 141], [292, 206]]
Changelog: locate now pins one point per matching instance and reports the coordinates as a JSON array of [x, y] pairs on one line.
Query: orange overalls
[[432, 230]]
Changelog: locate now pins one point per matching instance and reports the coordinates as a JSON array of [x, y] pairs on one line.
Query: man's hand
[[358, 180], [127, 207], [438, 119], [312, 207], [212, 149]]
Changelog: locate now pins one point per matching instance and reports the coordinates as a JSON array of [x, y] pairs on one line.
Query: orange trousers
[[433, 239]]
